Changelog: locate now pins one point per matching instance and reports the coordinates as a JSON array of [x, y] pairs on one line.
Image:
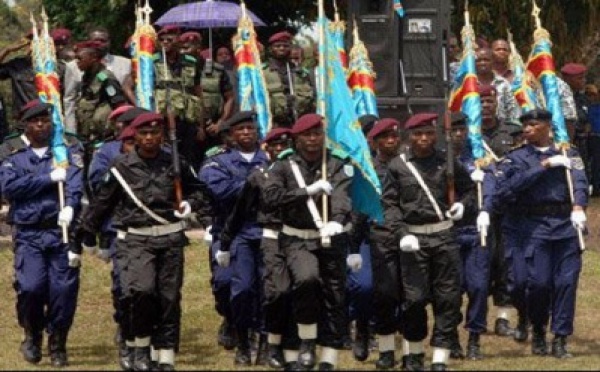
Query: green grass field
[[91, 340]]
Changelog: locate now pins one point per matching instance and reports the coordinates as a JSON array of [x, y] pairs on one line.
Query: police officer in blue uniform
[[542, 218], [225, 176], [46, 283]]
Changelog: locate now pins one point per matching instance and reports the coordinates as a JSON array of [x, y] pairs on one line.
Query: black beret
[[367, 122], [458, 118], [37, 109], [240, 117], [536, 114]]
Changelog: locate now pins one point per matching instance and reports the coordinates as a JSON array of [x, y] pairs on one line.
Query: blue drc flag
[[398, 8], [344, 131]]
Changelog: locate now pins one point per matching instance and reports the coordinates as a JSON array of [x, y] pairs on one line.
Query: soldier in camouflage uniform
[[289, 99]]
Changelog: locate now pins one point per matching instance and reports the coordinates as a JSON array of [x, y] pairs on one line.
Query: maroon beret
[[384, 125], [421, 119], [34, 109], [147, 119], [30, 104], [307, 122], [118, 111], [169, 29], [190, 36], [487, 90], [90, 44], [280, 36], [573, 69], [60, 35], [278, 134], [127, 133]]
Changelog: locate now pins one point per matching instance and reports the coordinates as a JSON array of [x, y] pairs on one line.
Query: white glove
[[58, 175], [65, 216], [207, 235], [187, 210], [354, 262], [318, 187], [104, 255], [409, 243], [74, 259], [223, 258], [559, 161], [332, 228], [578, 219], [456, 212], [477, 175], [483, 222]]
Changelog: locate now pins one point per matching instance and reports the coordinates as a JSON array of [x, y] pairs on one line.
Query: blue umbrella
[[206, 14]]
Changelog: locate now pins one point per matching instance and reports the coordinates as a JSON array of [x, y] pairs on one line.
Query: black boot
[[387, 360], [324, 366], [307, 354], [502, 328], [31, 347], [226, 336], [438, 367], [292, 366], [57, 348], [522, 330], [243, 354], [415, 362], [276, 359], [166, 367], [456, 351], [262, 355], [538, 342], [360, 347], [141, 359], [473, 347], [126, 356], [559, 348]]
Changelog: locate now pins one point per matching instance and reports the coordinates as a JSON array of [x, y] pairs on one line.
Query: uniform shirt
[[26, 184], [101, 162], [111, 91], [499, 138], [22, 78], [151, 180], [283, 192], [523, 184], [404, 200]]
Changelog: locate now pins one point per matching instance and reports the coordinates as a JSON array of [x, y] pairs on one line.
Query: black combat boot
[[559, 348], [522, 330], [538, 341], [473, 347], [415, 362], [324, 366], [243, 355], [387, 360], [360, 347], [31, 347], [57, 348], [226, 336], [276, 359], [307, 354], [438, 367], [126, 356], [262, 354], [502, 328], [142, 360], [456, 350]]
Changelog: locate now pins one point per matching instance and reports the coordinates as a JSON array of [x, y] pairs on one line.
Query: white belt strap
[[423, 185], [137, 201], [312, 206], [489, 150]]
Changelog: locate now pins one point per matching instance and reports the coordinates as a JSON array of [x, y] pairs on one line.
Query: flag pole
[[321, 89]]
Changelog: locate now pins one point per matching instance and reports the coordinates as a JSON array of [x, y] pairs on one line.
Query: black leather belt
[[558, 209], [46, 224]]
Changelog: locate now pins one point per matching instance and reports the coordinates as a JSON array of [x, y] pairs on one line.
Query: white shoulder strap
[[310, 202], [489, 150], [137, 201], [423, 185]]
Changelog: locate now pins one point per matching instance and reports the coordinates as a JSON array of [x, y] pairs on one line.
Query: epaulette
[[214, 151], [304, 71], [190, 59], [284, 154], [156, 57], [265, 65], [72, 138], [15, 144], [339, 153], [102, 76], [12, 135]]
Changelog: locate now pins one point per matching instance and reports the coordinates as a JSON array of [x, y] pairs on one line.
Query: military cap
[[129, 115], [536, 114], [420, 120], [240, 117], [280, 36], [384, 125], [35, 108], [147, 118], [118, 111], [573, 69], [127, 133], [307, 122], [169, 29], [278, 134], [190, 36], [458, 118], [60, 35], [367, 122], [487, 90], [90, 44], [514, 129]]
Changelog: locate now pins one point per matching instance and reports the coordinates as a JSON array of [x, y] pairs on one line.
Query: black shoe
[[262, 354], [502, 328], [360, 347], [473, 347], [293, 366], [347, 342], [387, 360], [456, 351], [166, 367], [559, 348], [538, 343], [276, 359], [31, 347], [403, 364], [415, 362], [307, 354], [522, 330], [57, 348], [226, 336], [243, 356], [324, 366], [126, 357], [438, 367], [141, 359]]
